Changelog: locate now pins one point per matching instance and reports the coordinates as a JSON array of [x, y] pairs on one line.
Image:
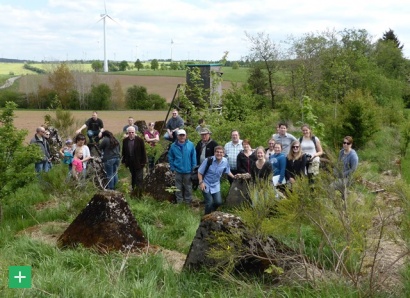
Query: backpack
[[194, 174]]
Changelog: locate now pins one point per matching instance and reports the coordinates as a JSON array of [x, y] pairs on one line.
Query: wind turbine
[[103, 17], [172, 44]]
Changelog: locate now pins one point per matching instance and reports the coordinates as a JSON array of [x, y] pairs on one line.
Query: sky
[[59, 30]]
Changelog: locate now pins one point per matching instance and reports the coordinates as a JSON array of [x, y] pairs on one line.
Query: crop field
[[18, 69], [114, 121], [229, 74]]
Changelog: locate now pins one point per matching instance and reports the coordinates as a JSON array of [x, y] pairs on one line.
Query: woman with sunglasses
[[295, 162], [348, 157]]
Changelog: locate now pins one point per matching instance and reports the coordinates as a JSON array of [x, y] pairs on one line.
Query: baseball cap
[[181, 132]]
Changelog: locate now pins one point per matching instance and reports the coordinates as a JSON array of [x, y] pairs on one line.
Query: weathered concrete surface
[[156, 183], [106, 224]]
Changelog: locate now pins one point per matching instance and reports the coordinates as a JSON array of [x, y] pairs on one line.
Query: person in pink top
[[77, 164]]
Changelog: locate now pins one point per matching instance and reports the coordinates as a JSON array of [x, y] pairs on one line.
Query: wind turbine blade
[[100, 19], [105, 8], [112, 19]]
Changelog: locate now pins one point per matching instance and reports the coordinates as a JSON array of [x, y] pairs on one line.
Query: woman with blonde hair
[[295, 162], [261, 169]]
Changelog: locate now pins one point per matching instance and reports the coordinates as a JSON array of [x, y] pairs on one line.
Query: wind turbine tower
[[172, 44], [103, 17]]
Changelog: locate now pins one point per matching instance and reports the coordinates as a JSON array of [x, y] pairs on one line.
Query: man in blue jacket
[[182, 160]]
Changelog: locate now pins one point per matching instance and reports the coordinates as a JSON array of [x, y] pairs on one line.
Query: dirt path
[[9, 82]]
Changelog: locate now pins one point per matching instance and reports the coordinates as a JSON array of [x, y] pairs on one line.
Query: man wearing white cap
[[182, 160]]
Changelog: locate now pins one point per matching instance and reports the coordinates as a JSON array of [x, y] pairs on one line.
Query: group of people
[[284, 160], [76, 153]]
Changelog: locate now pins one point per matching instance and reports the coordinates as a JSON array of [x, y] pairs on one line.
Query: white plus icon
[[20, 277]]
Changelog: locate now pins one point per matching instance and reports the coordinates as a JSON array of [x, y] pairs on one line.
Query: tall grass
[[82, 272]]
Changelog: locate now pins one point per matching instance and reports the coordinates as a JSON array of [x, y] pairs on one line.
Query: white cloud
[[201, 29]]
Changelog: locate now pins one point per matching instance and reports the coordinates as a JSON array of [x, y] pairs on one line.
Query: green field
[[8, 70], [18, 69]]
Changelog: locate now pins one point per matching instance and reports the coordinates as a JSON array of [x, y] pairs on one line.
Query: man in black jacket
[[205, 148], [134, 157]]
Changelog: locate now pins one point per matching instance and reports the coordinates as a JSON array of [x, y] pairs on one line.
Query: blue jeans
[[212, 201], [111, 168], [43, 166], [174, 137], [93, 135]]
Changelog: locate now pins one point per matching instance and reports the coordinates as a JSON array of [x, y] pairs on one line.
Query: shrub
[[16, 160], [360, 117]]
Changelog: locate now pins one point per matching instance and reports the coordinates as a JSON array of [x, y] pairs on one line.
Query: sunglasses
[[346, 143], [295, 147]]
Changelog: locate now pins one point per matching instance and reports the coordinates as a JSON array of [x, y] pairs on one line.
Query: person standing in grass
[[270, 150], [110, 148], [232, 150], [311, 145], [283, 137], [39, 139], [278, 161], [182, 160], [210, 179], [261, 169], [295, 162], [205, 147], [77, 168], [80, 144], [134, 157], [348, 161], [151, 136], [246, 158], [67, 152]]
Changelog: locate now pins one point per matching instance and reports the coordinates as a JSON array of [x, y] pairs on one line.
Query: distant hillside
[[8, 60]]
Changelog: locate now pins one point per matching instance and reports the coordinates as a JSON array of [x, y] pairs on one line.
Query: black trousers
[[136, 177]]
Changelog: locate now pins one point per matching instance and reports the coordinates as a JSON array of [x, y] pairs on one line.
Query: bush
[[360, 117], [99, 97], [16, 160], [137, 98]]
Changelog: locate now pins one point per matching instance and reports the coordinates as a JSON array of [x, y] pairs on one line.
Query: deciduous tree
[[138, 65], [97, 65], [100, 97], [263, 49], [154, 64], [123, 65], [62, 81]]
